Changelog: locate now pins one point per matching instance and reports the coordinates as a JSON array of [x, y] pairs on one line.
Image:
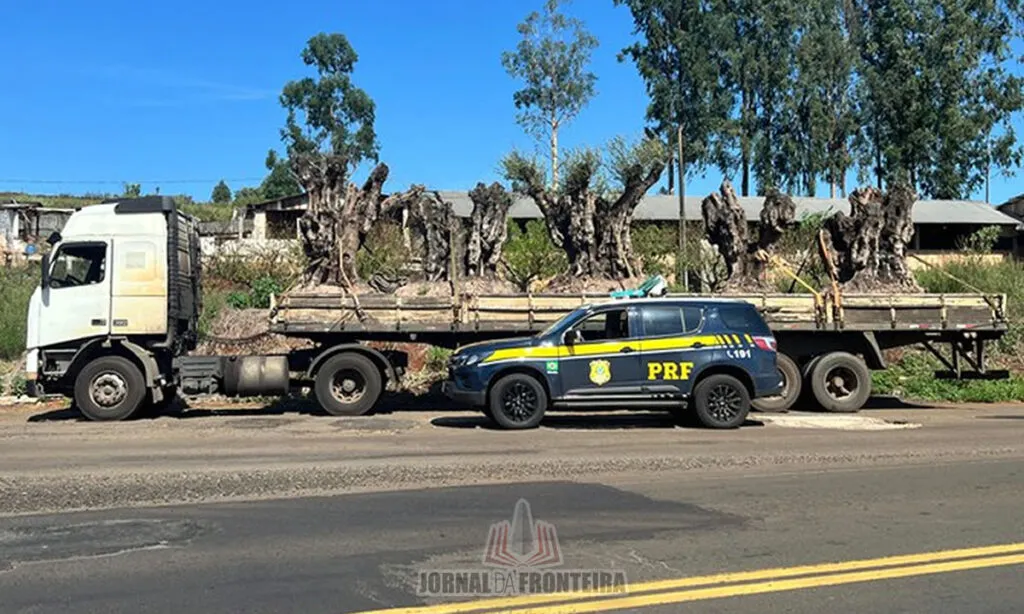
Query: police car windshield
[[566, 321]]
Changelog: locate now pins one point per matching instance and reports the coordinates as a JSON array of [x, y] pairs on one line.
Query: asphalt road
[[287, 513]]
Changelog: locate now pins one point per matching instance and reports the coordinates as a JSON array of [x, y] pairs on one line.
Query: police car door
[[602, 355], [673, 348]]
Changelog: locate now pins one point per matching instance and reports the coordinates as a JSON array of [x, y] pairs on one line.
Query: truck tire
[[840, 382], [721, 402], [792, 385], [348, 384], [517, 401], [109, 388]]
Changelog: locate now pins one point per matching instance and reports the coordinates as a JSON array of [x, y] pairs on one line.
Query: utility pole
[[681, 265]]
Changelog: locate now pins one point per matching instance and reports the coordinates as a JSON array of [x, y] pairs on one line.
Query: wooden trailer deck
[[301, 314]]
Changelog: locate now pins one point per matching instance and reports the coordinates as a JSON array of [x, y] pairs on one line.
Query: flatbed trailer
[[115, 320], [851, 332]]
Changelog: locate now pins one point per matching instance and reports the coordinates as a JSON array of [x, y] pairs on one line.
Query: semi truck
[[114, 325]]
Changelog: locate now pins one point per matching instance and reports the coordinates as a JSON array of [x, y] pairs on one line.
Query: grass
[[914, 377], [16, 287]]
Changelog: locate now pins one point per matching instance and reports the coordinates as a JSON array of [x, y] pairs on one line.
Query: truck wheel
[[721, 402], [840, 382], [518, 401], [109, 388], [348, 385], [792, 384]]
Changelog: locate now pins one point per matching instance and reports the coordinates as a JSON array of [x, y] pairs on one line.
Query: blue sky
[[181, 94]]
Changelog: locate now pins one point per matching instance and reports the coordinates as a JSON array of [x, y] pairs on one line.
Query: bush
[[383, 253], [239, 299], [653, 245], [914, 377], [246, 269], [1006, 277], [214, 301], [980, 241], [530, 255], [16, 287], [437, 359]]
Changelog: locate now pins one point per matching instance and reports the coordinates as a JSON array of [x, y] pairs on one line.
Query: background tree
[[131, 190], [221, 193], [936, 91], [279, 182], [589, 215], [822, 115], [757, 57], [679, 56], [551, 60], [329, 133]]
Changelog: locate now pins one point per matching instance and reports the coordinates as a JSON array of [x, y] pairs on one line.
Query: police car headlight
[[466, 360]]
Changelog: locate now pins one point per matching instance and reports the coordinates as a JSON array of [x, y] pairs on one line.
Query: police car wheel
[[518, 401], [792, 385], [841, 382], [721, 402]]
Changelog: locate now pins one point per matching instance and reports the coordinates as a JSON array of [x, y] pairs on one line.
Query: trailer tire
[[517, 401], [840, 382], [348, 384], [792, 385], [109, 388], [721, 402]]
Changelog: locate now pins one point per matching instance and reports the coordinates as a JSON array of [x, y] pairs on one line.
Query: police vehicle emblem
[[600, 372]]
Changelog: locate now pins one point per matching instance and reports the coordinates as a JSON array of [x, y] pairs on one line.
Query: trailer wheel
[[840, 382], [517, 401], [109, 388], [348, 385], [721, 402], [792, 385]]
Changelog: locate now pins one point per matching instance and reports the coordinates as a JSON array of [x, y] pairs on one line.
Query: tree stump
[[431, 216], [340, 215], [488, 229], [869, 246], [726, 223]]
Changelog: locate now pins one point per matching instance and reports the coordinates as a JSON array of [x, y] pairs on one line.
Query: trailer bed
[[305, 314]]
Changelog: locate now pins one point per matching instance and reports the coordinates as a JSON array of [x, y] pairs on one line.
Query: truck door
[[673, 347], [139, 291], [76, 305], [604, 358]]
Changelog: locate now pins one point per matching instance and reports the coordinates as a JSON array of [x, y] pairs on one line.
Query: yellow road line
[[505, 603], [774, 586]]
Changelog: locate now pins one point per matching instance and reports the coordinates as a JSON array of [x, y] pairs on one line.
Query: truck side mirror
[[45, 263]]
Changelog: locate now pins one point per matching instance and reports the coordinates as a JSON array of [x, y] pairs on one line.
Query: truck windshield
[[565, 322]]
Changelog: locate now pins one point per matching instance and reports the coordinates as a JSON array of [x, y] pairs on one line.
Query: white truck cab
[[118, 308]]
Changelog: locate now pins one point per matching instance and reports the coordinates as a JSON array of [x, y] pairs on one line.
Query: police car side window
[[693, 318], [665, 320], [662, 320], [605, 325]]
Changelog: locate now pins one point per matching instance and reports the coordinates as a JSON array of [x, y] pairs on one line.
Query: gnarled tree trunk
[[593, 228], [431, 215], [726, 223], [488, 229], [339, 216], [869, 246]]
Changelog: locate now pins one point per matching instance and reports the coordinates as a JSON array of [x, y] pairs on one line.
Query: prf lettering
[[669, 370]]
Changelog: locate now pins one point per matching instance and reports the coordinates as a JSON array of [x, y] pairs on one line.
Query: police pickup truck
[[711, 355]]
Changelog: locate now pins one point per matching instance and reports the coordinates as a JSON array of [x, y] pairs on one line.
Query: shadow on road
[[583, 422]]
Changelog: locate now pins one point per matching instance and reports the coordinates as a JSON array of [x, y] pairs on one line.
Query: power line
[[122, 181]]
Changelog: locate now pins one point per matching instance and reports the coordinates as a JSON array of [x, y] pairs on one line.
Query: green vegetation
[[437, 359], [221, 193], [16, 287], [384, 252], [914, 377], [530, 255]]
